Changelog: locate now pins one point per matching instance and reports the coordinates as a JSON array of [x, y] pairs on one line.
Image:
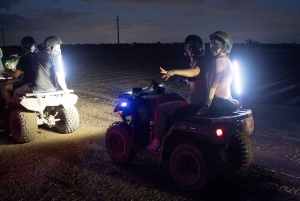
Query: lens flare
[[237, 77], [61, 66]]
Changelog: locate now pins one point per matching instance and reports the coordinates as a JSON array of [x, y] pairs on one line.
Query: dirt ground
[[76, 166]]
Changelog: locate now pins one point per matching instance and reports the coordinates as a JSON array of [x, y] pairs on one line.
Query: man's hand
[[5, 74], [201, 112], [167, 74]]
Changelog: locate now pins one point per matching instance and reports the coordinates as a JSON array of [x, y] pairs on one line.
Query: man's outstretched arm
[[61, 81]]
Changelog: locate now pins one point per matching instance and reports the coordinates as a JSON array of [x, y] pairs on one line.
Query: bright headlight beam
[[237, 77], [61, 66], [123, 104]]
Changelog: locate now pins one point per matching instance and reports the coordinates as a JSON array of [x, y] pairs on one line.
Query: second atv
[[27, 111]]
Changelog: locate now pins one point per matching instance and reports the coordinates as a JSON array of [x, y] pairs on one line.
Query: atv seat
[[215, 118], [19, 95], [47, 93]]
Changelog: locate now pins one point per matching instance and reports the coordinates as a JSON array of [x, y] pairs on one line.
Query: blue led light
[[123, 104]]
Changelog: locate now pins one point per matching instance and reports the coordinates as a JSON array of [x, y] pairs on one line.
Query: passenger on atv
[[219, 100], [25, 66], [48, 70]]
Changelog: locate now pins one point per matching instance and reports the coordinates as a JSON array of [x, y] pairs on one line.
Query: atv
[[194, 149], [27, 111]]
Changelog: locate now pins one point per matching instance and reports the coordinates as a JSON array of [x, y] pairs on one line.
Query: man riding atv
[[48, 70], [25, 66], [219, 77], [45, 101]]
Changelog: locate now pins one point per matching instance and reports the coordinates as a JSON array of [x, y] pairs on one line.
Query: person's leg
[[27, 88], [180, 114], [8, 89], [161, 115]]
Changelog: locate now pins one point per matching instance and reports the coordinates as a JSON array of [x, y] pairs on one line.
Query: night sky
[[149, 21]]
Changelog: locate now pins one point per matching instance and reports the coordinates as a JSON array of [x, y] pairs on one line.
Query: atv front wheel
[[117, 142], [68, 119], [23, 126], [188, 167]]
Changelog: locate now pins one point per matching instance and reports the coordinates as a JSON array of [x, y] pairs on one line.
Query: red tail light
[[219, 132]]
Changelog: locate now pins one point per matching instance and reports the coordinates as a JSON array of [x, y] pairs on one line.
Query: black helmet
[[225, 38], [201, 48], [51, 41], [28, 43]]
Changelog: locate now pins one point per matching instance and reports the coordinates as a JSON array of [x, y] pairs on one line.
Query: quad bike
[[194, 149], [26, 111]]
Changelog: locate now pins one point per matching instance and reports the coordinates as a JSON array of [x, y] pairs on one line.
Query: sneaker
[[154, 146]]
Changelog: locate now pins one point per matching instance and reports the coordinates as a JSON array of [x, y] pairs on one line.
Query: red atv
[[194, 148]]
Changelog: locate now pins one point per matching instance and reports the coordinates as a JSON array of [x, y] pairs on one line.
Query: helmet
[[201, 47], [225, 38], [51, 41], [28, 43]]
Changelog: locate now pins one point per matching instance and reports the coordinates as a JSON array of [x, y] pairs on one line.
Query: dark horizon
[[98, 21]]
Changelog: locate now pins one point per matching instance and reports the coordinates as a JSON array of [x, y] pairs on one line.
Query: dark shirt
[[25, 65], [45, 68], [198, 84]]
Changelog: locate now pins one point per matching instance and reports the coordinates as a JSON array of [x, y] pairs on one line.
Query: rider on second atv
[[24, 65], [195, 49], [48, 69]]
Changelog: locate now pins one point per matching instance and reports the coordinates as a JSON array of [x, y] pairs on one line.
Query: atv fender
[[39, 103]]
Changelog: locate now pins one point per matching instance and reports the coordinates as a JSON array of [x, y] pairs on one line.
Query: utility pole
[[118, 28], [3, 37]]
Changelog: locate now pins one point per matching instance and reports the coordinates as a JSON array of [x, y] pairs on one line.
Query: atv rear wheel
[[239, 153], [188, 167], [117, 142], [69, 119], [23, 126]]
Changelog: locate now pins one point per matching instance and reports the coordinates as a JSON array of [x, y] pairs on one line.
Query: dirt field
[[77, 167]]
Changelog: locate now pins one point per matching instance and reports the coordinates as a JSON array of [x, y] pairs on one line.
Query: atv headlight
[[122, 108], [123, 104]]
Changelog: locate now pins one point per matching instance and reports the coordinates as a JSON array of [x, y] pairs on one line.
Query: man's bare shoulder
[[222, 62]]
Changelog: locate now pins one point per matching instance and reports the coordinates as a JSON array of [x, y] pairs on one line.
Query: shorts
[[18, 84], [27, 88], [221, 105]]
